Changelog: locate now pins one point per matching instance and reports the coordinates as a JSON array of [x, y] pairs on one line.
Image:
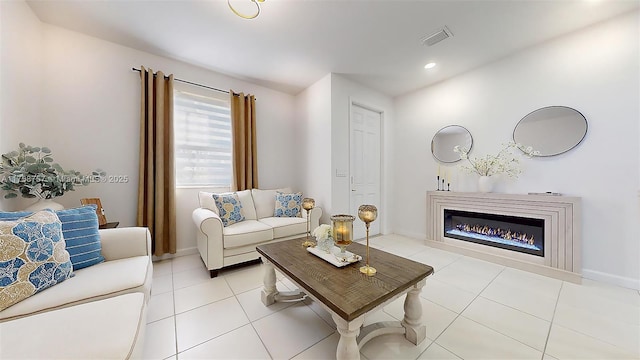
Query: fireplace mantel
[[561, 215]]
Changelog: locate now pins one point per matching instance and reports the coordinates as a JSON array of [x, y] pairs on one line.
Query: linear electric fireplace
[[522, 234]]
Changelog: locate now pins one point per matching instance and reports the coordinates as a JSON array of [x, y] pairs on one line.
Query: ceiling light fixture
[[430, 65], [250, 16]]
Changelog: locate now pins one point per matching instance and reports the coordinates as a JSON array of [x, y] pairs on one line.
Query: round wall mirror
[[446, 138], [551, 130]]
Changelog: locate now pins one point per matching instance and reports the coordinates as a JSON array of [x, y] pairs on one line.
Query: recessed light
[[430, 65]]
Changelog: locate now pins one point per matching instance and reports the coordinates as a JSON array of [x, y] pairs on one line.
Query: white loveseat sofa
[[99, 313], [221, 246]]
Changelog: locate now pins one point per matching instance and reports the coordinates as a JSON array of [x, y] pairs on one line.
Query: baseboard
[[179, 252], [413, 235], [626, 282]]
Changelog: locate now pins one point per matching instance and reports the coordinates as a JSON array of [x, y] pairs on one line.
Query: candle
[[438, 170]]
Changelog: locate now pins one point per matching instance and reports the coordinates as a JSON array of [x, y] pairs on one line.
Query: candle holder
[[368, 214], [307, 205], [342, 232]]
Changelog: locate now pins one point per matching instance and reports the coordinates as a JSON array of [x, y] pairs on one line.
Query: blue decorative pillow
[[288, 205], [32, 256], [229, 207], [80, 232]]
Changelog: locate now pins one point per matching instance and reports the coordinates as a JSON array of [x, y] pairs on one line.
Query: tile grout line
[[621, 348], [460, 314], [553, 316], [248, 318], [225, 333]]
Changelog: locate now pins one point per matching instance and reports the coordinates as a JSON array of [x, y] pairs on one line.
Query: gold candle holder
[[342, 231], [307, 205], [368, 214]]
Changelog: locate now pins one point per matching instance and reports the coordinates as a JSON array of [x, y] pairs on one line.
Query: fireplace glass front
[[514, 233]]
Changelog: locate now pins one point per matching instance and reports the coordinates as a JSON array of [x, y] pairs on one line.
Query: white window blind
[[202, 126]]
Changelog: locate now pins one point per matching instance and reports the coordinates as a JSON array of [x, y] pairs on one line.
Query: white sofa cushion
[[246, 233], [265, 201], [108, 329], [286, 226], [106, 279]]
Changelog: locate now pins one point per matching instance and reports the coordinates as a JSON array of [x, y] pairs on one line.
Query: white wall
[[90, 113], [313, 128], [20, 80], [594, 71], [343, 93]]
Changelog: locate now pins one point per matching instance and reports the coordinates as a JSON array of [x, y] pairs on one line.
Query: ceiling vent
[[436, 37]]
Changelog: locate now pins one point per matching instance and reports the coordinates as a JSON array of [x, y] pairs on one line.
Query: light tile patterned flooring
[[473, 310]]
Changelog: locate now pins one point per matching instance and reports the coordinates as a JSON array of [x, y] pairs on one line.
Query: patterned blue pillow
[[288, 205], [229, 207], [32, 256], [80, 232]]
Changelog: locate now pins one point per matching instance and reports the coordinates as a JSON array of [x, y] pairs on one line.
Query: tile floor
[[473, 310]]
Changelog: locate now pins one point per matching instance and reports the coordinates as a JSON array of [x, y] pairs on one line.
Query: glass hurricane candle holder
[[307, 205], [368, 214], [342, 231]]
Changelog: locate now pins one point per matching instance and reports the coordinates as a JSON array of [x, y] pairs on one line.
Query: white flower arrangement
[[505, 162], [323, 232]]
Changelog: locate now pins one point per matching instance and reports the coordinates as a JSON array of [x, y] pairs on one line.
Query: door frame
[[363, 104]]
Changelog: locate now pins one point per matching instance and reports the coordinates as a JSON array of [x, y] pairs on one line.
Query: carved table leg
[[416, 331], [349, 330], [269, 291]]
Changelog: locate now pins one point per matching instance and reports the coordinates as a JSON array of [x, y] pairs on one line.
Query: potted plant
[[31, 173]]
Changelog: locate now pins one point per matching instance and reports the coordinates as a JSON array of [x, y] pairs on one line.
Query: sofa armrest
[[210, 239], [207, 221], [125, 242]]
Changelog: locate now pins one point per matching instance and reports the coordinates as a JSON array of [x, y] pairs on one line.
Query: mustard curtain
[[245, 149], [156, 185]]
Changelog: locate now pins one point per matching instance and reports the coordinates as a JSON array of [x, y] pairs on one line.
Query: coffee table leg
[[415, 330], [269, 291], [349, 330]]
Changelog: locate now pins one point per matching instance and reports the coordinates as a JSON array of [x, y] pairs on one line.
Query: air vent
[[436, 37]]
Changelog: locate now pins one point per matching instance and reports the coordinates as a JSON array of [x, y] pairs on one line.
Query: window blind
[[202, 137]]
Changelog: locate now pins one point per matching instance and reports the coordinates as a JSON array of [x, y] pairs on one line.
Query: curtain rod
[[192, 83]]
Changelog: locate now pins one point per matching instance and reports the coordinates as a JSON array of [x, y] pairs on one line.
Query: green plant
[[31, 172]]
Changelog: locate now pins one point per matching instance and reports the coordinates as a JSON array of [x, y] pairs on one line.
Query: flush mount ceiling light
[[430, 65], [245, 16]]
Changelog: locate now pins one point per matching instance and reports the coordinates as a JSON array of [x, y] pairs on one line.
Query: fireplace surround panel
[[559, 215]]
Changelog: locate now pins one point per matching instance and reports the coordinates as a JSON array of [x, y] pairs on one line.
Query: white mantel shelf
[[562, 235]]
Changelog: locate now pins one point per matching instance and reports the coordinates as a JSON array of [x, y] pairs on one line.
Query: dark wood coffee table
[[346, 293]]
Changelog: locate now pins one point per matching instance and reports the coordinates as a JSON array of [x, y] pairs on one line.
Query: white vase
[[485, 184], [42, 204]]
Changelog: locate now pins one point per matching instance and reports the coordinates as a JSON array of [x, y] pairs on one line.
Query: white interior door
[[365, 165]]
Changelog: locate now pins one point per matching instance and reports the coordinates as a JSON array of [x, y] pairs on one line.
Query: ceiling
[[294, 43]]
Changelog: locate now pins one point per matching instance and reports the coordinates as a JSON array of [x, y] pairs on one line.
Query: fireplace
[[557, 216], [521, 234]]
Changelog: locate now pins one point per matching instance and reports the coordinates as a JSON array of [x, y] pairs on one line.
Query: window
[[202, 125]]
